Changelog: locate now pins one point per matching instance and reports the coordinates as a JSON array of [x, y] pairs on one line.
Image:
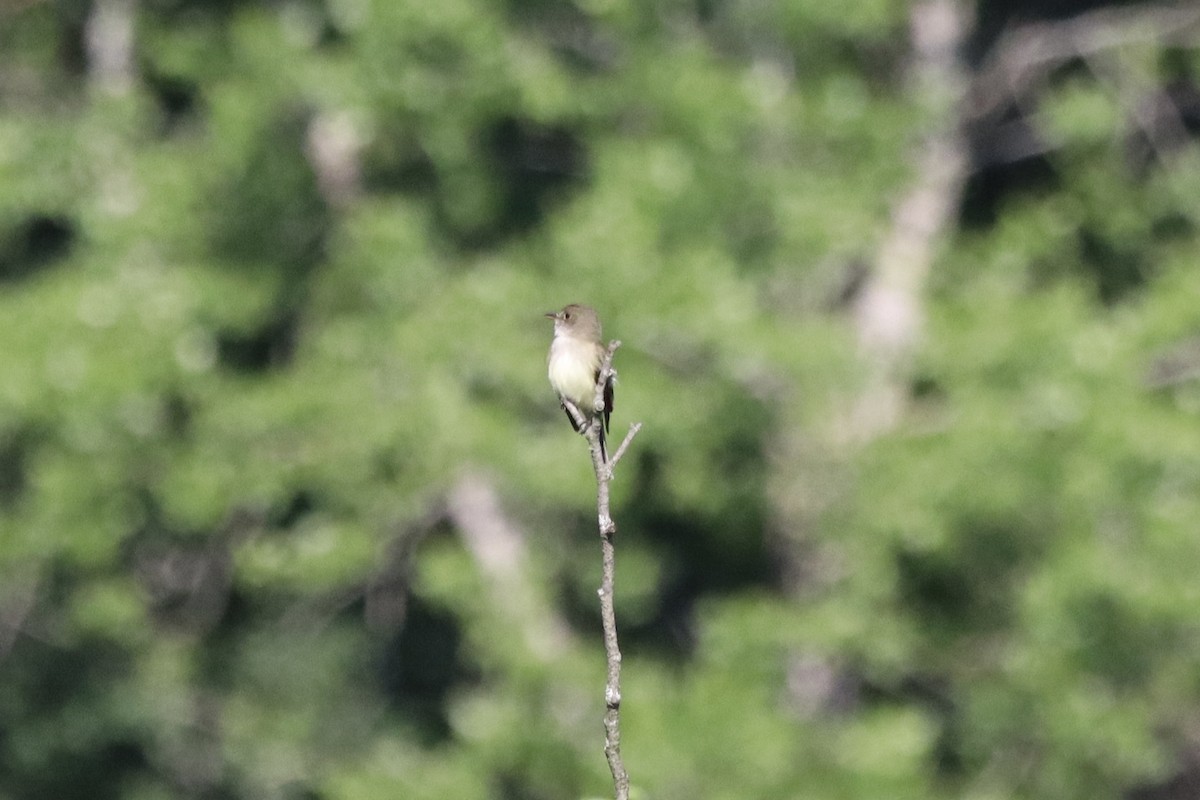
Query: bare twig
[[612, 462], [608, 530], [577, 416], [612, 683]]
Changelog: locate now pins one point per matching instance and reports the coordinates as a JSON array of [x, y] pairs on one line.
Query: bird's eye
[[566, 315]]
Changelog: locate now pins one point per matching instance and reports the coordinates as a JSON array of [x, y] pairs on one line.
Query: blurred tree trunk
[[109, 41], [889, 311]]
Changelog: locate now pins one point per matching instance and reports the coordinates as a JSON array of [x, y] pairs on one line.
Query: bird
[[573, 366]]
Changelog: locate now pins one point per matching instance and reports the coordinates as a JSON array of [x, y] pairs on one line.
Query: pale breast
[[572, 368]]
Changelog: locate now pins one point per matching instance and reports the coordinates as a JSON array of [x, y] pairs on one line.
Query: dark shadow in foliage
[[298, 790], [244, 613], [71, 27], [176, 12], [532, 162], [270, 216], [189, 583], [935, 587], [50, 688], [933, 694], [16, 447], [816, 50], [966, 588], [33, 244], [1008, 157], [1173, 226], [176, 97], [1115, 269], [396, 162], [290, 511], [530, 165], [421, 664], [546, 771], [1118, 644], [580, 41], [271, 344], [186, 577], [1184, 785], [925, 389], [177, 414]]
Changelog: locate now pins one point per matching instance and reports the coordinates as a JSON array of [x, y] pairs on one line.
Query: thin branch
[[577, 416], [612, 462], [612, 683], [608, 618]]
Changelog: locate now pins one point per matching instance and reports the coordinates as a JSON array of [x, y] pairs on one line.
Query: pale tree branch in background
[[889, 312], [333, 146], [1026, 57], [109, 36], [15, 607], [498, 546], [1026, 54]]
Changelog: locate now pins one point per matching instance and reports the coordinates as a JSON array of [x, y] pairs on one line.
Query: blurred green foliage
[[262, 310]]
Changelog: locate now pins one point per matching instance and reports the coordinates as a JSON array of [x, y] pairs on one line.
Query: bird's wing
[[608, 400]]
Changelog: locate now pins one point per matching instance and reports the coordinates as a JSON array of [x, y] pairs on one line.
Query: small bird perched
[[574, 365]]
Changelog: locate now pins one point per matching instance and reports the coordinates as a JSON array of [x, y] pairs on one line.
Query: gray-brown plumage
[[574, 361]]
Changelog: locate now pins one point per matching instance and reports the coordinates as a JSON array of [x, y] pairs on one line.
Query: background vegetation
[[909, 300]]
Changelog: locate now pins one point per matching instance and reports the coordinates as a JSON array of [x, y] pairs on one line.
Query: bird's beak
[[551, 314]]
